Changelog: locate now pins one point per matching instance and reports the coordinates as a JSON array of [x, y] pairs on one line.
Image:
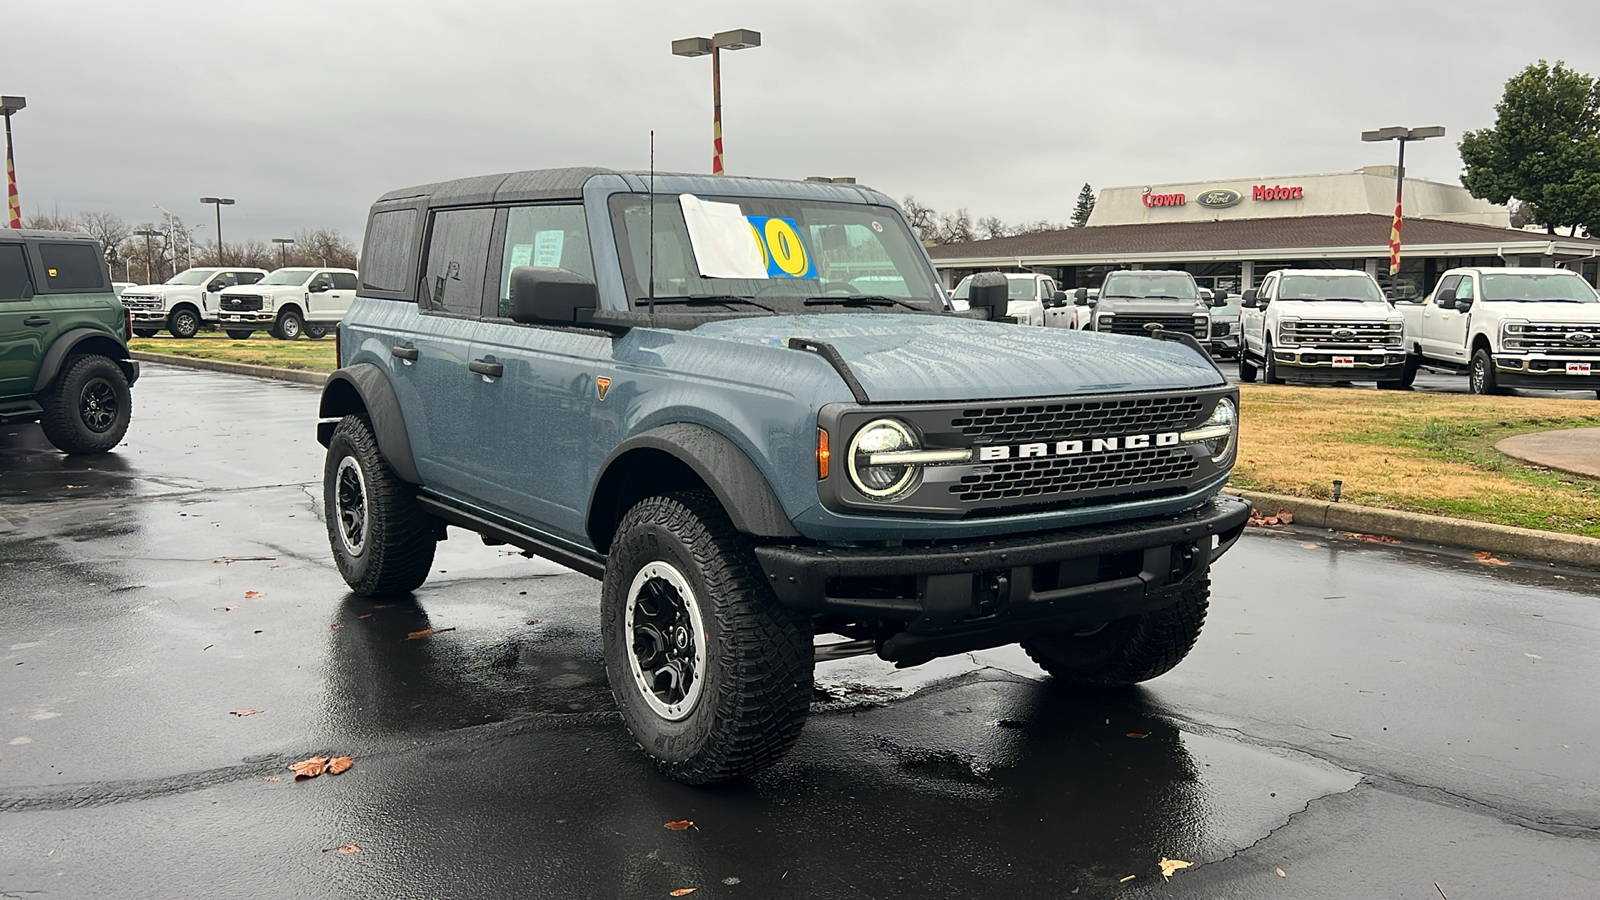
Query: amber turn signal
[[823, 454]]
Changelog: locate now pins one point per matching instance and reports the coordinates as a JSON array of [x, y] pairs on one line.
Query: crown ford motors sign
[[1219, 198]]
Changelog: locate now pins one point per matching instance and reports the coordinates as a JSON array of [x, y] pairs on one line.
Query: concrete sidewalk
[[1571, 450]]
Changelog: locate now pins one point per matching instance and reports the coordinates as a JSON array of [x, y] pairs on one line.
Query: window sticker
[[781, 247], [547, 248], [521, 255], [721, 238]]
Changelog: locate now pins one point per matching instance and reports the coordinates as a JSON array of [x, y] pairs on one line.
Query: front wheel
[[316, 330], [1247, 369], [289, 326], [88, 407], [1269, 367], [712, 674], [183, 323], [146, 332], [1481, 377], [1128, 650], [382, 540]]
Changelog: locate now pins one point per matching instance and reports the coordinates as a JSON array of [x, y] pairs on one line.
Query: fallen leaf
[[350, 848], [1285, 515], [1370, 538], [309, 768], [680, 825], [1485, 556], [1281, 874], [682, 892], [272, 778], [251, 595], [1125, 880], [340, 764], [1533, 656], [1168, 866], [1309, 546], [1135, 734], [416, 635], [230, 560], [335, 627], [364, 616], [241, 713]]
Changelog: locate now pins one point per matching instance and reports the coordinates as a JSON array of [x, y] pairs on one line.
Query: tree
[[322, 247], [924, 221], [955, 228], [50, 221], [109, 229], [1081, 212], [990, 227], [1544, 148]]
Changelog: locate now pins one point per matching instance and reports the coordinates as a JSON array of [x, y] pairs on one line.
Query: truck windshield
[[1019, 288], [1150, 286], [765, 255], [1348, 287], [1564, 287], [190, 276], [287, 276]]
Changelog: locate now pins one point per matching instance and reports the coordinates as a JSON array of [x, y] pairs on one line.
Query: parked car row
[[287, 303]]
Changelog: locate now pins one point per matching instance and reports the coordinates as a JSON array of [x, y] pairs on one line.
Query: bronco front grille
[[1044, 478], [1066, 421], [1131, 323], [241, 303]]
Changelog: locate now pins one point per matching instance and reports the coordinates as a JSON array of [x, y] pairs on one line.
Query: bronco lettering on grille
[[1074, 448]]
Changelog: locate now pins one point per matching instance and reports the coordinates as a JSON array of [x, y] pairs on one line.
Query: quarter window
[[73, 267], [344, 281], [387, 258], [458, 254], [546, 236], [15, 282]]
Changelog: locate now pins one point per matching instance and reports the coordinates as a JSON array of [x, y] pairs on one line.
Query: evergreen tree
[[1080, 214]]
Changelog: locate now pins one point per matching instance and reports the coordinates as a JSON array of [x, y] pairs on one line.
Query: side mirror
[[215, 286], [550, 296], [988, 291], [1219, 297], [1250, 299], [1081, 296], [1060, 298], [318, 288], [1446, 303]]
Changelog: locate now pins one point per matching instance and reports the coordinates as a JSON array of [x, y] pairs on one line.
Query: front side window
[[1267, 287], [223, 280], [1447, 287], [15, 282], [458, 254], [551, 237], [1348, 288], [781, 255], [1548, 287], [1150, 286], [288, 276], [1464, 289], [323, 282], [73, 267]]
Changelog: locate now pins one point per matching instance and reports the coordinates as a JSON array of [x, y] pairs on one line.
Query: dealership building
[[1230, 233]]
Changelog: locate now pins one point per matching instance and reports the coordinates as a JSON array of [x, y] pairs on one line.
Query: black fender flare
[[713, 458], [364, 389], [83, 340]]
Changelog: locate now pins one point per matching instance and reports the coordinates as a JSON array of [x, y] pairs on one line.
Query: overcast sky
[[306, 111]]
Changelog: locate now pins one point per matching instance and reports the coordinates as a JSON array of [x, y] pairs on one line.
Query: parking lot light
[[1401, 134], [283, 250], [737, 39], [219, 202], [147, 234]]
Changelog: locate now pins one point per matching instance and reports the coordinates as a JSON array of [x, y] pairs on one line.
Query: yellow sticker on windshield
[[781, 248]]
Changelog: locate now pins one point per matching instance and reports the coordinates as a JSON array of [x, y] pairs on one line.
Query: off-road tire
[[146, 332], [183, 322], [398, 537], [1128, 650], [88, 406], [1269, 366], [1481, 376], [316, 331], [1247, 369], [757, 670], [289, 326], [239, 334]]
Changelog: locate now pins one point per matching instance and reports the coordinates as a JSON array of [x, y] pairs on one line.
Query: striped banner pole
[[716, 111], [1394, 242], [13, 205]]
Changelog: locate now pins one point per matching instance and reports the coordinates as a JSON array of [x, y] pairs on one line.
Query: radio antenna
[[650, 291]]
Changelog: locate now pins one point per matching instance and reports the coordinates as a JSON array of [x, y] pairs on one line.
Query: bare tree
[[322, 247], [109, 229], [990, 227], [50, 221], [955, 228], [924, 221], [141, 254]]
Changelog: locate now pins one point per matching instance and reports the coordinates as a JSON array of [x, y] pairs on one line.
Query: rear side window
[[386, 260], [458, 255], [73, 267], [344, 281], [250, 277], [15, 282]]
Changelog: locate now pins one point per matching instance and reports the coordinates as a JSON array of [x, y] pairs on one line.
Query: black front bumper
[[965, 596]]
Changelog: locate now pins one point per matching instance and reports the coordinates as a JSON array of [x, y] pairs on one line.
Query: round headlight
[[1226, 414], [882, 482]]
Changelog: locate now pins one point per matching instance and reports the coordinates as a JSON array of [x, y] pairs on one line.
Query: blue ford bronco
[[747, 408]]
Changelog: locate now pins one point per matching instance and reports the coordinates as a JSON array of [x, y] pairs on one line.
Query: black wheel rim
[[666, 640], [98, 406], [350, 506]]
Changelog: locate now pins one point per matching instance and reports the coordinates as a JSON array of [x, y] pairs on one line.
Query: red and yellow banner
[[13, 205], [1394, 242]]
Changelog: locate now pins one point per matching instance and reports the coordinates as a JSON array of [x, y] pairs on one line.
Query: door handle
[[36, 321], [409, 354], [484, 367]]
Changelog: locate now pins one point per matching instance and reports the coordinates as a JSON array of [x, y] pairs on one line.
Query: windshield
[[1563, 287], [190, 276], [1351, 287], [1143, 285], [776, 255], [287, 276]]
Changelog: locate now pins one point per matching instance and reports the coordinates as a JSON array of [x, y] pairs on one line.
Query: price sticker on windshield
[[1576, 368], [781, 247]]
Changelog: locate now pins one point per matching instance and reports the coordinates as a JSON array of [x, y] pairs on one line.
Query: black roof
[[14, 234], [537, 184]]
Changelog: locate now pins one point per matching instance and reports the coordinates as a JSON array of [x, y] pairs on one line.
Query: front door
[[21, 344], [1438, 323]]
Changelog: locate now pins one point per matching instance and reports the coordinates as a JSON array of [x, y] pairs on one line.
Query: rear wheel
[[88, 407], [239, 334], [712, 674], [383, 542], [1247, 369], [316, 330], [1128, 650], [289, 326], [184, 322]]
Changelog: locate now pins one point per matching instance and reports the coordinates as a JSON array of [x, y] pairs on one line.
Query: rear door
[[21, 345], [337, 301]]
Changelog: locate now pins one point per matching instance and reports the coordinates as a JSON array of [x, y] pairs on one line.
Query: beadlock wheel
[[668, 639]]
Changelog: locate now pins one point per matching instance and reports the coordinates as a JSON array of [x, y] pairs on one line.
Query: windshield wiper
[[863, 300], [699, 299]]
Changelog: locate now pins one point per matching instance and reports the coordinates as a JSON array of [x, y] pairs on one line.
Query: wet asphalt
[[1356, 721]]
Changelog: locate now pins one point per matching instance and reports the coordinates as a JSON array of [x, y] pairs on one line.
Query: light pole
[[147, 234], [9, 105], [283, 250], [169, 221], [1402, 135], [220, 202], [737, 39]]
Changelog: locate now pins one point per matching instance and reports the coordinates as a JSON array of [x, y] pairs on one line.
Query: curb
[[1507, 540], [232, 368]]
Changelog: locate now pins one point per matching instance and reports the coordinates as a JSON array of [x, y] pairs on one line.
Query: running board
[[489, 528], [26, 409]]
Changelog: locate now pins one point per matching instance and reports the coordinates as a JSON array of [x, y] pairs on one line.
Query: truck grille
[[142, 303], [1129, 323], [1066, 421], [241, 303], [1341, 334], [1567, 339], [1139, 473]]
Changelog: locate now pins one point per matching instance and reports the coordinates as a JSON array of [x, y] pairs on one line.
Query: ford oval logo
[[1219, 198], [1344, 333], [1579, 337]]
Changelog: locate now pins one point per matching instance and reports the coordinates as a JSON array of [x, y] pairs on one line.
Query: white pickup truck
[[185, 302], [1321, 325], [289, 303], [1530, 328], [1029, 298]]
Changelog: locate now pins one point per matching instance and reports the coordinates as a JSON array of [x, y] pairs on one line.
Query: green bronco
[[63, 341]]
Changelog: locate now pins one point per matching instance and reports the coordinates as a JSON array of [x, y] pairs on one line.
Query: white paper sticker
[[1578, 368], [1344, 362], [724, 246], [521, 255], [547, 248]]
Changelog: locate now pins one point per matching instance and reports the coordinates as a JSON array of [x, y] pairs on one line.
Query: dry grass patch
[[1428, 453], [260, 350]]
